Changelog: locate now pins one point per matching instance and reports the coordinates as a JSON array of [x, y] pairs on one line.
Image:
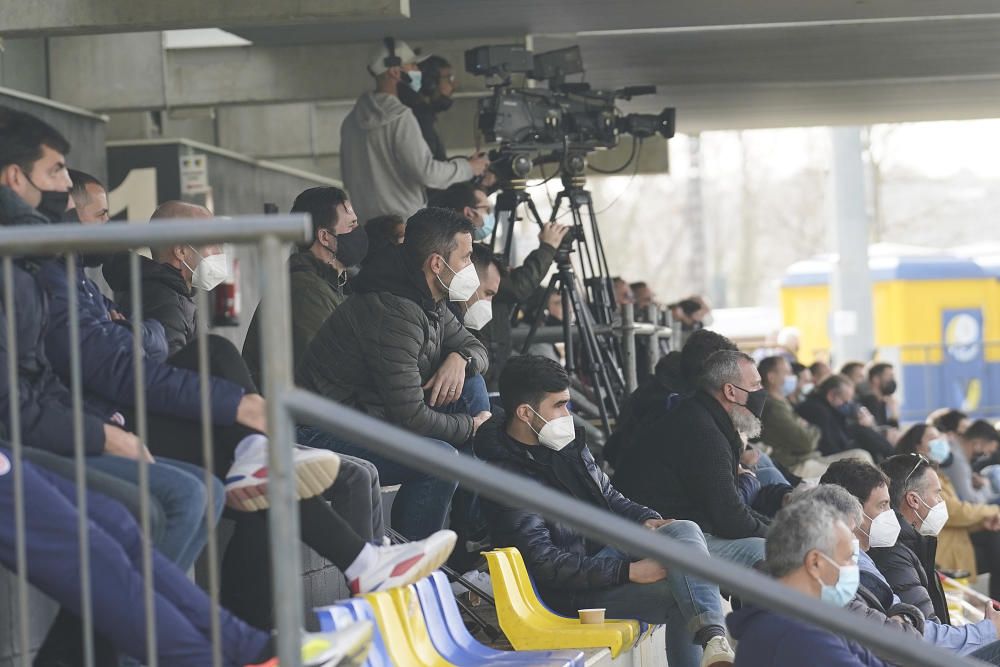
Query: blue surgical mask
[[788, 388], [940, 449], [416, 80], [846, 587], [484, 232], [847, 409]]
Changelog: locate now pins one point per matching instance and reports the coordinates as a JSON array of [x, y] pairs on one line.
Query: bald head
[[179, 209]]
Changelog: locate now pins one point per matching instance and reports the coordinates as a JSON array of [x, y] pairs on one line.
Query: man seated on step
[[535, 437]]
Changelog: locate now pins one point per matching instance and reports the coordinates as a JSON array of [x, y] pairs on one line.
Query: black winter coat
[[683, 464], [908, 566], [45, 405], [834, 436], [166, 298], [378, 349], [562, 563], [516, 288]]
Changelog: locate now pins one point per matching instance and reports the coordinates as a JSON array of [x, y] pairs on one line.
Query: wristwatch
[[470, 366]]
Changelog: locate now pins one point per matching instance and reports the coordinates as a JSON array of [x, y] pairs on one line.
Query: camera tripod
[[583, 307]]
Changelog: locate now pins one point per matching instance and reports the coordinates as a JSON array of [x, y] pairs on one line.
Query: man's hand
[[993, 616], [445, 386], [992, 523], [479, 163], [653, 524], [479, 420], [978, 481], [646, 571], [865, 418], [116, 316], [750, 456], [252, 412], [552, 234], [119, 442]]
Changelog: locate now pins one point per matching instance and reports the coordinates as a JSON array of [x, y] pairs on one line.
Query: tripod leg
[[592, 364]]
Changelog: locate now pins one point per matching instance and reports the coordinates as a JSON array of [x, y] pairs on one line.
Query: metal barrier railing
[[287, 404], [271, 235]]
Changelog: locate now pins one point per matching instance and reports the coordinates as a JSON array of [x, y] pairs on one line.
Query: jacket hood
[[16, 211], [116, 272], [390, 270], [741, 620], [375, 110]]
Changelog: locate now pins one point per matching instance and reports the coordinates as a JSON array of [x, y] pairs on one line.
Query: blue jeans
[[421, 506], [744, 551], [683, 603], [767, 472], [183, 611], [180, 490]]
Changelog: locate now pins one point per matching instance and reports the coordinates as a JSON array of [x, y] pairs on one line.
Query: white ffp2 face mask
[[935, 520], [556, 434], [478, 315], [210, 272], [463, 285], [884, 530]]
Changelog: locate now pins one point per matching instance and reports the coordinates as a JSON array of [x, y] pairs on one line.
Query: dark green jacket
[[516, 287], [316, 292], [793, 441]]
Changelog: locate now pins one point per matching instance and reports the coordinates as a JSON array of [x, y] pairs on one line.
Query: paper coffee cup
[[591, 616]]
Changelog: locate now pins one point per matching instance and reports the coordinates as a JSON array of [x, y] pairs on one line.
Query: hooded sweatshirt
[[385, 162]]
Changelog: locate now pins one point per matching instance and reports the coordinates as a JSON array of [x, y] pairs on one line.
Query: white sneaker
[[404, 564], [246, 481], [718, 653], [480, 580]]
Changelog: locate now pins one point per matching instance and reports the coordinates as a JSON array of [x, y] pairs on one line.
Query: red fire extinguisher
[[226, 311]]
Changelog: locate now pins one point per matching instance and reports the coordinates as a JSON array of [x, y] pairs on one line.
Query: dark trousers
[[987, 546], [246, 575], [183, 611]]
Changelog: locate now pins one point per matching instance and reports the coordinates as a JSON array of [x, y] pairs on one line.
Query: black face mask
[[53, 205], [352, 247], [440, 103], [889, 388], [755, 401]]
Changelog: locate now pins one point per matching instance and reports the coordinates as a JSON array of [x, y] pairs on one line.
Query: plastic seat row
[[421, 626]]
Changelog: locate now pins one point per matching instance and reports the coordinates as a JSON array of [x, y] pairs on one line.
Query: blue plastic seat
[[457, 645], [350, 611]]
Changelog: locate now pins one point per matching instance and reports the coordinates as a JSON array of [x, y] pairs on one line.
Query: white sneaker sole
[[312, 477], [350, 647], [439, 547]]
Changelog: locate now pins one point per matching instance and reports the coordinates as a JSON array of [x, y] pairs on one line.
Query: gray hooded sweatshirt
[[385, 162]]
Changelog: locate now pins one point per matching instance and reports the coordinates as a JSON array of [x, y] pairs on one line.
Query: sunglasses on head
[[921, 459]]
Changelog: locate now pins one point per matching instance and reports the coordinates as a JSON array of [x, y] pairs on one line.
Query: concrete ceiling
[[731, 64]]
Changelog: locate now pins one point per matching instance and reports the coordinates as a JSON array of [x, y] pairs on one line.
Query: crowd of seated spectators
[[404, 313]]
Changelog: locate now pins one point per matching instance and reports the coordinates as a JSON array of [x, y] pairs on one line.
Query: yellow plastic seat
[[530, 625], [402, 626]]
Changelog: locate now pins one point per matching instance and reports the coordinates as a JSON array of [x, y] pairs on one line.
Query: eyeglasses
[[921, 459]]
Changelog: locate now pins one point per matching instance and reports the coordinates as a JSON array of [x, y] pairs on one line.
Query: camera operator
[[518, 285], [437, 85], [385, 162]]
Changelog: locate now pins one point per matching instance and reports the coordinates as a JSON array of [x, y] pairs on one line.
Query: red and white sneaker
[[246, 481], [404, 564]]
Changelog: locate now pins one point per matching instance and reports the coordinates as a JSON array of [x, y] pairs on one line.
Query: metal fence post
[[628, 347], [284, 517]]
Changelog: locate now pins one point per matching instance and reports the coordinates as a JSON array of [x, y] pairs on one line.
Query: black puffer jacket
[[165, 297], [684, 463], [45, 406], [908, 566], [384, 343], [561, 562]]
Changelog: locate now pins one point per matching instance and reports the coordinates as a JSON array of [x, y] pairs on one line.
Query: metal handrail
[[511, 489]]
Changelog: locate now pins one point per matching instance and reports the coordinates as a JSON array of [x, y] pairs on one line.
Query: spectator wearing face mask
[[317, 272], [804, 384], [432, 97], [882, 401], [794, 440], [842, 424], [385, 161], [518, 285], [477, 312]]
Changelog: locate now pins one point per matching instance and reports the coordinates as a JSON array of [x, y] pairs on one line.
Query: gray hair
[[722, 367], [796, 530], [835, 496]]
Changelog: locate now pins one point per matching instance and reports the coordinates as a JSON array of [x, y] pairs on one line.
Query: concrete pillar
[[851, 318]]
